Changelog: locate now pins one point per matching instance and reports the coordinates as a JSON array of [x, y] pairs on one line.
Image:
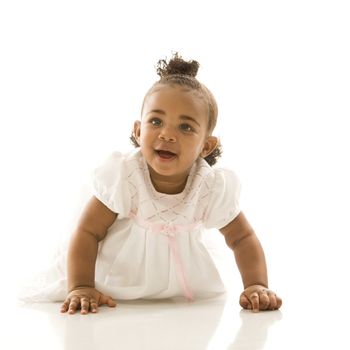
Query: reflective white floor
[[210, 324], [283, 90]]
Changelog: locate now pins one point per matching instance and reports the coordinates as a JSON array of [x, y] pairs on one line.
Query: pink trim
[[171, 230], [180, 269]]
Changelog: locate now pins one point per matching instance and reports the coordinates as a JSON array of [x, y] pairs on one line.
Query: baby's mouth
[[166, 154]]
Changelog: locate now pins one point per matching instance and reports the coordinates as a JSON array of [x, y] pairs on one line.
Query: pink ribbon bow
[[171, 230]]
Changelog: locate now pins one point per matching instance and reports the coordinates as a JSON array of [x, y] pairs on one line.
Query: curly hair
[[180, 72]]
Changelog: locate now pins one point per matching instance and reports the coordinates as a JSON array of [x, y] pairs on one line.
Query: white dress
[[154, 249]]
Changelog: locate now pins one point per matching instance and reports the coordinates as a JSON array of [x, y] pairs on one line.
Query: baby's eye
[[186, 127], [156, 122]]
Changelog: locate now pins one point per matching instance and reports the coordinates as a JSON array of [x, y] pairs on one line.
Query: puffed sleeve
[[223, 204], [110, 185]]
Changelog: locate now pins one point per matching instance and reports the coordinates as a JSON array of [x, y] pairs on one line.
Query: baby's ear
[[137, 131], [209, 146]]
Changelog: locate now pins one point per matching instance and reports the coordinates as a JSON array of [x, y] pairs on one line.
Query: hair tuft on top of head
[[177, 66]]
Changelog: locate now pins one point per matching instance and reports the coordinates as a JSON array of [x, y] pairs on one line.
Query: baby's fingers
[[244, 302], [65, 305], [93, 306], [254, 300], [84, 305], [70, 305], [73, 305], [107, 300], [278, 302], [273, 301]]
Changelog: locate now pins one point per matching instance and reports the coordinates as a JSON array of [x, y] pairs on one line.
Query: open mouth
[[166, 154]]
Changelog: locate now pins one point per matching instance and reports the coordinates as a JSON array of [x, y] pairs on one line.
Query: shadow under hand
[[254, 329]]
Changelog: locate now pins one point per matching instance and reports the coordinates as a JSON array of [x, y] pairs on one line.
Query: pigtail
[[214, 156]]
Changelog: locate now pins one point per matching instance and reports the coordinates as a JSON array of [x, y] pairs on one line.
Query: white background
[[72, 78]]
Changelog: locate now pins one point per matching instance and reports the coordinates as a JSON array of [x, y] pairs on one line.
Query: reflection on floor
[[168, 324], [213, 324]]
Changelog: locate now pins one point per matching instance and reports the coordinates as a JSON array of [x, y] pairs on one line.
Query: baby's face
[[173, 131]]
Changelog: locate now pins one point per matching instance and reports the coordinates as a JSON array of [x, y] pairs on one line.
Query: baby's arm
[[250, 258], [82, 253]]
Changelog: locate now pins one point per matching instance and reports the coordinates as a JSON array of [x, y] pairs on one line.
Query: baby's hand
[[87, 299], [258, 297]]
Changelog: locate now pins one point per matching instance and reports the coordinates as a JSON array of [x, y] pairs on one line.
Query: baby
[[140, 234]]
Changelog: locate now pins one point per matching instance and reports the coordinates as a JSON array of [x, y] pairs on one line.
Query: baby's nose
[[167, 134]]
